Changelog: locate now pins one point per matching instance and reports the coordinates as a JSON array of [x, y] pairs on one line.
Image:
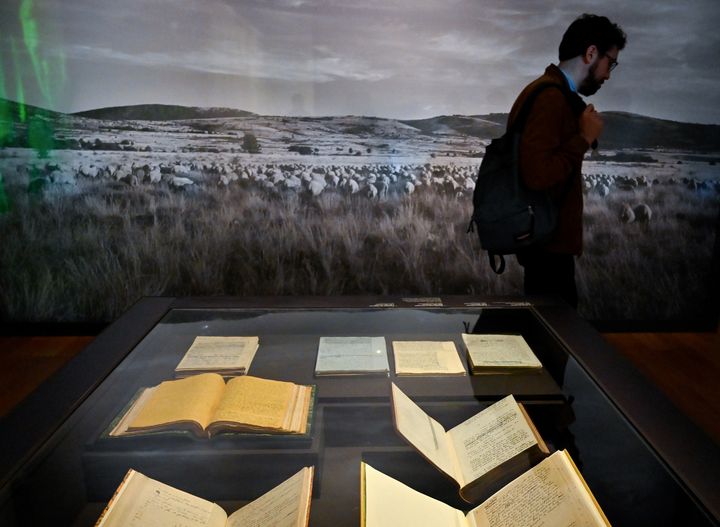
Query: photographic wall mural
[[283, 147]]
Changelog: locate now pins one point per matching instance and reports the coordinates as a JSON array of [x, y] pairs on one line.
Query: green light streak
[[4, 200], [19, 89], [43, 68], [31, 39], [5, 115], [33, 60]]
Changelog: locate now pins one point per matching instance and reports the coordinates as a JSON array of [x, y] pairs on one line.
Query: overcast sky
[[387, 58]]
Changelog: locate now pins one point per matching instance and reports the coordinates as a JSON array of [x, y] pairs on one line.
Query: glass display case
[[644, 461]]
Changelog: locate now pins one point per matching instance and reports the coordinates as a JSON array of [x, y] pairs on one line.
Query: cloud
[[474, 49], [482, 51], [224, 61]]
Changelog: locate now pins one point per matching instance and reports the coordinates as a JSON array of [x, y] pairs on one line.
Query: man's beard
[[590, 84]]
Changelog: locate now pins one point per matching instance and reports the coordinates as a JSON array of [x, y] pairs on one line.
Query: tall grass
[[89, 254], [658, 270]]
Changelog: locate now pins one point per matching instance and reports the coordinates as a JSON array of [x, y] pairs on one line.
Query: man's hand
[[591, 124]]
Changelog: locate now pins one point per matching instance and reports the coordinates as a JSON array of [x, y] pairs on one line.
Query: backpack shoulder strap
[[519, 122]]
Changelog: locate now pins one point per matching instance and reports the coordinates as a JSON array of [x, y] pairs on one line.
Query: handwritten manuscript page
[[219, 353], [287, 505], [490, 438], [256, 402], [500, 351], [549, 495], [194, 399], [144, 502], [348, 355], [427, 358]]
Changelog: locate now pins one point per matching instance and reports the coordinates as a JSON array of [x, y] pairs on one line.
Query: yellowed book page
[[550, 493], [210, 353], [144, 502], [122, 425], [256, 402], [427, 358], [191, 399], [287, 505], [490, 438], [588, 496], [423, 432], [389, 503], [301, 409], [500, 351]]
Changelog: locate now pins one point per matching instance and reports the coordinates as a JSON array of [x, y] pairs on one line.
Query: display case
[[644, 461]]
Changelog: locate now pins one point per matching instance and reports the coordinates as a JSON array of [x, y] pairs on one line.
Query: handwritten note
[[490, 438], [146, 502], [283, 506], [219, 353], [347, 355], [500, 351], [260, 402], [194, 398], [427, 358], [549, 495]]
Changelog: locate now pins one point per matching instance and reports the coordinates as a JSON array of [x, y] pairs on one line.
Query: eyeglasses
[[613, 62]]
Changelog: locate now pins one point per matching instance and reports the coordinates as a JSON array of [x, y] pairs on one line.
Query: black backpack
[[508, 216]]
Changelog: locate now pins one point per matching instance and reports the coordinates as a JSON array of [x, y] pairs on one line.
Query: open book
[[228, 356], [143, 502], [499, 353], [480, 454], [551, 494], [427, 358], [205, 405]]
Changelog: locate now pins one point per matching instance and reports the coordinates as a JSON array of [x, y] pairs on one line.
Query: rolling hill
[[160, 112], [622, 130]]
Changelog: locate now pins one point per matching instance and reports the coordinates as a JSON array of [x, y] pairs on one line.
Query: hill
[[627, 130], [160, 112], [16, 112], [622, 130]]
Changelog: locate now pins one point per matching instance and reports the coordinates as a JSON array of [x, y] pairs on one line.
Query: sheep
[[383, 187], [180, 182], [63, 176], [627, 215], [292, 183], [643, 213], [316, 186], [155, 175], [640, 213]]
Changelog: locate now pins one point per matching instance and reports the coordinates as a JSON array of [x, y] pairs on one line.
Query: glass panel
[[77, 471]]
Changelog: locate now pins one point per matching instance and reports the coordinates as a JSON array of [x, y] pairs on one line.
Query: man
[[559, 130]]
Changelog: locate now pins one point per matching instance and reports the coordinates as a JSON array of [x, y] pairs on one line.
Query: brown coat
[[551, 155]]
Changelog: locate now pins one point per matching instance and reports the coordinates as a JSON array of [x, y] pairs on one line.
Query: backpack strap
[[577, 104], [519, 123]]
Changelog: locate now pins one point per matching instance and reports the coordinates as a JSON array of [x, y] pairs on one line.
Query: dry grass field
[[660, 269], [89, 253]]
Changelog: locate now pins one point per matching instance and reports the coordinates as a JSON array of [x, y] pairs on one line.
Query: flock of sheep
[[375, 181], [372, 180]]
